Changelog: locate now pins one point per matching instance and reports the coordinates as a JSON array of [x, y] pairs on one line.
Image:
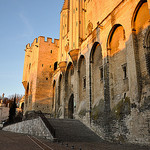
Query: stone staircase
[[70, 130]]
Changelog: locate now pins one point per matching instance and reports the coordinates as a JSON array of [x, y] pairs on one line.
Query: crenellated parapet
[[41, 40]]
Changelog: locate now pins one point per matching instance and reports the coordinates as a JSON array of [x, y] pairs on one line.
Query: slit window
[[84, 82], [55, 65], [124, 68], [101, 73]]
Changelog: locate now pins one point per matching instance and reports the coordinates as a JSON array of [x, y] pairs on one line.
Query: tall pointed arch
[[118, 72], [96, 73], [82, 78]]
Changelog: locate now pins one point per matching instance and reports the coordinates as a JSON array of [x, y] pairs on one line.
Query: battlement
[[65, 5], [28, 46], [41, 39]]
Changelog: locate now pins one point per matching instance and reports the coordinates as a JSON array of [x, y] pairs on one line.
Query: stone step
[[70, 130]]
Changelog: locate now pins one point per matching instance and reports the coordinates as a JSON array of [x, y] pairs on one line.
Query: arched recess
[[71, 107], [116, 39], [68, 78], [68, 85], [54, 95], [141, 16], [60, 91], [96, 73], [118, 74], [82, 78], [140, 27]]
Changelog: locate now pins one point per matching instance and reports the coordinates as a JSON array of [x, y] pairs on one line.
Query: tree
[[12, 111]]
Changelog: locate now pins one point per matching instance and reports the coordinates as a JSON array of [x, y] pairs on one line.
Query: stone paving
[[14, 141]]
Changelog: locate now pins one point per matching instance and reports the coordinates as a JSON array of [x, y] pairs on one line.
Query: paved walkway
[[14, 141]]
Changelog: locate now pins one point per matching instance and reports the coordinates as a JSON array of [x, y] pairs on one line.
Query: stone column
[[62, 66], [74, 56], [88, 88], [75, 89], [63, 95], [132, 68], [106, 86]]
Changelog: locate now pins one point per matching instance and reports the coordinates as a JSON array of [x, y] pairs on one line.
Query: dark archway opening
[[71, 107]]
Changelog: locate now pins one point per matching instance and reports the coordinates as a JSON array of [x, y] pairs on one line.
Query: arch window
[[140, 24], [116, 40], [141, 16], [96, 73]]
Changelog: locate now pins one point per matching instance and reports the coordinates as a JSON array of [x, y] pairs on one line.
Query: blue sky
[[21, 21]]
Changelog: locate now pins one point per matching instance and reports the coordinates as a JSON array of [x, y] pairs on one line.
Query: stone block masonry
[[35, 127], [103, 78]]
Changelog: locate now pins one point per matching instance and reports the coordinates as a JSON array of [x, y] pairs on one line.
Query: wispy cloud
[[26, 22]]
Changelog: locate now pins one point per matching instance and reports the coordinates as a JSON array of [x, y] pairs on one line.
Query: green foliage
[[12, 111]]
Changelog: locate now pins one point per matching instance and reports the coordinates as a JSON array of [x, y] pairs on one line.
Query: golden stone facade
[[99, 69]]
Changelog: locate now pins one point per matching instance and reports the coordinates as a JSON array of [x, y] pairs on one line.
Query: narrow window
[[55, 65], [84, 82], [101, 73], [124, 68], [29, 66], [42, 65], [51, 51]]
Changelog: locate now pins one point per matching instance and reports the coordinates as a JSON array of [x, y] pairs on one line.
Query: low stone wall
[[4, 113], [35, 127]]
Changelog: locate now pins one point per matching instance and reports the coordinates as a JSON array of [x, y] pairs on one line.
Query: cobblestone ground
[[14, 141]]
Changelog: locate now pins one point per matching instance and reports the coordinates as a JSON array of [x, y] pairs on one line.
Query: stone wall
[[113, 37], [35, 127], [4, 113]]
